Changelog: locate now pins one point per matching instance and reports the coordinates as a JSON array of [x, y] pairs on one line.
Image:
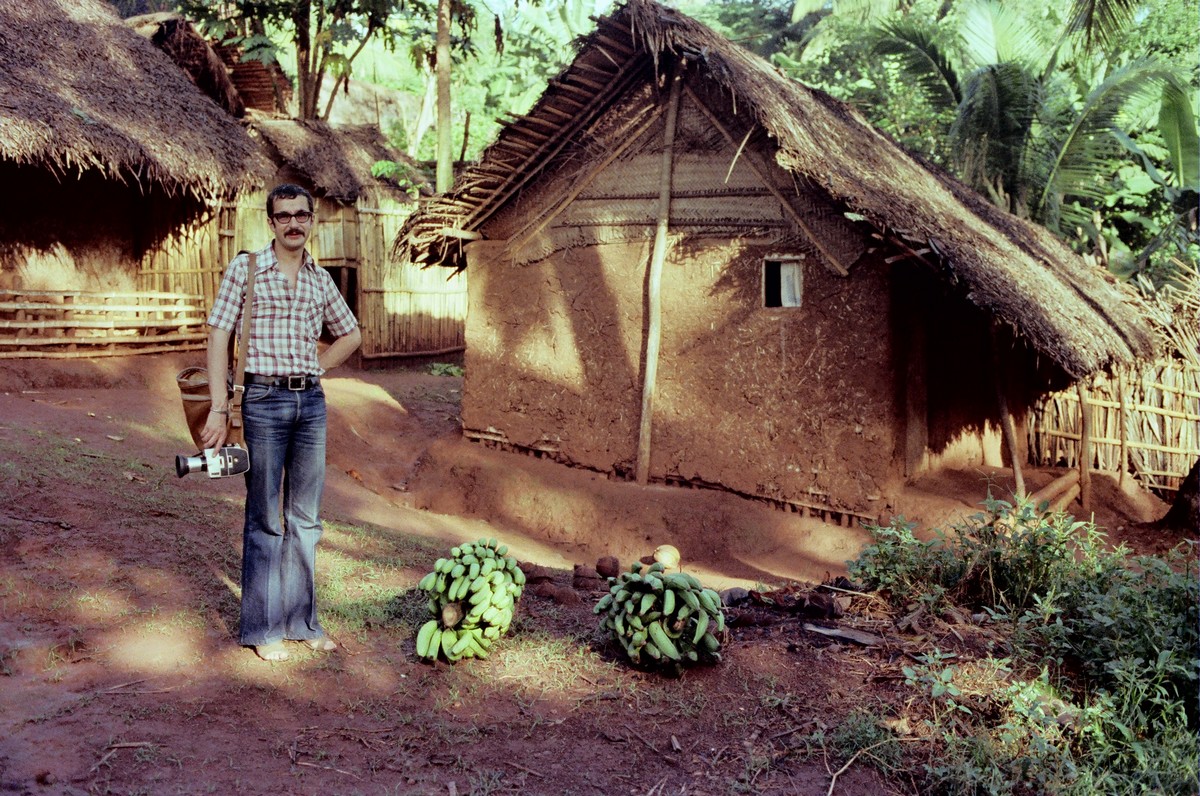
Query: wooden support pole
[[1122, 434], [1007, 427], [916, 389], [1085, 448], [654, 283]]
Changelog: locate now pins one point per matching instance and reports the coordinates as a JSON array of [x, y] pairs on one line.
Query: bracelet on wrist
[[219, 411]]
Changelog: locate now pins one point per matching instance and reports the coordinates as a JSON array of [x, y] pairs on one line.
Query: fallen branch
[[834, 775], [520, 767], [113, 748], [327, 768]]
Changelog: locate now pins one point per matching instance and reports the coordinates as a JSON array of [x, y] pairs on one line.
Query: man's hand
[[340, 349], [216, 429]]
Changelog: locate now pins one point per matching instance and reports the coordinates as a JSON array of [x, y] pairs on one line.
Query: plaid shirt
[[285, 324]]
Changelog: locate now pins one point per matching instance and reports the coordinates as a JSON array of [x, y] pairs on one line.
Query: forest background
[[1078, 115]]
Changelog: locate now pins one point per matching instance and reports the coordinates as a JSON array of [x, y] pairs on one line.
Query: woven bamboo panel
[[404, 310], [1158, 409]]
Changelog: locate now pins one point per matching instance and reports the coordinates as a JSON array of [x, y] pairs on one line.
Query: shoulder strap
[[239, 379]]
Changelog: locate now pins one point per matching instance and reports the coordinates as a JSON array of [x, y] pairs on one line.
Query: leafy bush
[[1116, 706]]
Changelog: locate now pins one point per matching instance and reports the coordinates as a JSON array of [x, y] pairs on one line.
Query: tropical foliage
[[1050, 111]]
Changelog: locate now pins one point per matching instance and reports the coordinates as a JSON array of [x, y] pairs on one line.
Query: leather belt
[[296, 383]]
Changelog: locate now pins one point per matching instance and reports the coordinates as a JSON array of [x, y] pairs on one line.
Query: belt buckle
[[296, 383]]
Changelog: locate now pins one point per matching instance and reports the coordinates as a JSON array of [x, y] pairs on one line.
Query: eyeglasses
[[302, 216]]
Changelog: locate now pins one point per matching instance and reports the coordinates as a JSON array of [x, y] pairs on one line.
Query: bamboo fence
[[74, 324], [1146, 424]]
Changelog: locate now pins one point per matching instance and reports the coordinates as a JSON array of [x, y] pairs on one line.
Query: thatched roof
[[1073, 313], [175, 36], [81, 90], [335, 162]]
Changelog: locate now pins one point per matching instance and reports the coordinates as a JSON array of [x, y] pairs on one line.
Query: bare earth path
[[119, 670]]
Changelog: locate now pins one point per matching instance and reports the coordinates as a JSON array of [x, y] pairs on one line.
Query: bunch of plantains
[[473, 594], [662, 620]]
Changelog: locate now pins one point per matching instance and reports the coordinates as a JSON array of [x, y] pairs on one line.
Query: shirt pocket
[[310, 316]]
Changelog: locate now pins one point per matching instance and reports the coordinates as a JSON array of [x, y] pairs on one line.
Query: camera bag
[[193, 381]]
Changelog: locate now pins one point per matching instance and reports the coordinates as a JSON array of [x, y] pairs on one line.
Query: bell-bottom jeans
[[285, 435]]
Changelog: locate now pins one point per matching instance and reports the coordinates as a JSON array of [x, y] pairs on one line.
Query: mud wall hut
[[108, 154], [404, 311], [686, 268]]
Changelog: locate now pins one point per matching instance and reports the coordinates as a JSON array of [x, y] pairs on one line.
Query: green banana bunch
[[661, 620], [472, 597]]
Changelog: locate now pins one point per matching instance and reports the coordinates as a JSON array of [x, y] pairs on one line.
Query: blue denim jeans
[[285, 434]]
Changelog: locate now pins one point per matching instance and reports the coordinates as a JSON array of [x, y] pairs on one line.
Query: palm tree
[[1040, 139]]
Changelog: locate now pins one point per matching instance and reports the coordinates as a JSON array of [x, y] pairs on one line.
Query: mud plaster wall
[[792, 403], [554, 350]]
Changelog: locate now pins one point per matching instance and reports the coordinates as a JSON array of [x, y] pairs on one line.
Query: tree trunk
[[305, 108], [445, 154], [1184, 514]]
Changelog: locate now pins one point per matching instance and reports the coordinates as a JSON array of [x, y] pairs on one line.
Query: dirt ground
[[120, 673]]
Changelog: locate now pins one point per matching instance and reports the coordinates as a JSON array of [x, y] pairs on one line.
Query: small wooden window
[[783, 281]]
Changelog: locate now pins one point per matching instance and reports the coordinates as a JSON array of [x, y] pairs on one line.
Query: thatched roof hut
[[1015, 271], [334, 162], [80, 91], [179, 39]]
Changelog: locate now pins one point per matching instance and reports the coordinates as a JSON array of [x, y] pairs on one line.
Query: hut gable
[[81, 90], [605, 188], [1013, 271]]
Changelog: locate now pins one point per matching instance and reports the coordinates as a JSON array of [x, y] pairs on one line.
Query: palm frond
[[915, 48], [1100, 21], [1078, 149], [993, 124], [993, 33]]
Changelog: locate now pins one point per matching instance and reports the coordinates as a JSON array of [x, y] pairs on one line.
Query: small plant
[[662, 620], [936, 680], [445, 369], [473, 595]]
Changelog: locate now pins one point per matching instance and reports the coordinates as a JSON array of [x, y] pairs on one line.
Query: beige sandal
[[322, 644], [272, 653]]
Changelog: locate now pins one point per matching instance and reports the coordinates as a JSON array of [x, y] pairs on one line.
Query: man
[[283, 413]]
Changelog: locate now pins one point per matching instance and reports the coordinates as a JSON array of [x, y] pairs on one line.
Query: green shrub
[[1116, 707]]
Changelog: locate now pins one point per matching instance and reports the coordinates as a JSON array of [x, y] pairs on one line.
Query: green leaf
[[1177, 124]]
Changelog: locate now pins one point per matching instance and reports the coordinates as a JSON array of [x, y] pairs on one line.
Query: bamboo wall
[[1148, 421], [192, 260], [404, 310]]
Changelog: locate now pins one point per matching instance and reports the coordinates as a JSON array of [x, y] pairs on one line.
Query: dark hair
[[287, 191]]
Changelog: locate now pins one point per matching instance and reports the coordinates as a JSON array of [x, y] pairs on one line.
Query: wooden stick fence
[[72, 324], [1147, 424]]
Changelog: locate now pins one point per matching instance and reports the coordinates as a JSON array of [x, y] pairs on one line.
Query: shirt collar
[[272, 261]]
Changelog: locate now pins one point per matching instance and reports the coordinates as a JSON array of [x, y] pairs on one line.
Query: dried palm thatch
[[1075, 315], [80, 90], [336, 162], [175, 36]]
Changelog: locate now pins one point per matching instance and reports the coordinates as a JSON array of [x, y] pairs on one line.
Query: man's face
[[291, 234]]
